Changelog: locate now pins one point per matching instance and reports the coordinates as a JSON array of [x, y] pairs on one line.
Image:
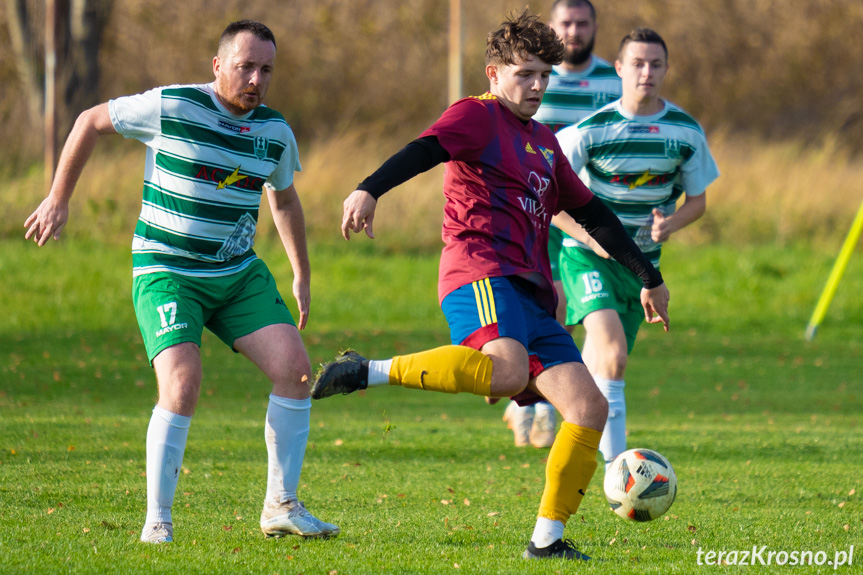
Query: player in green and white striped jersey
[[211, 152], [577, 87], [583, 82], [639, 155]]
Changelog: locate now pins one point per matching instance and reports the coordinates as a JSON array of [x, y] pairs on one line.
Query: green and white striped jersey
[[572, 96], [637, 163], [203, 177]]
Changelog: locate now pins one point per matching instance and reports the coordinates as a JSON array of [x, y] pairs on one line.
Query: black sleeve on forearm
[[606, 229], [419, 156]]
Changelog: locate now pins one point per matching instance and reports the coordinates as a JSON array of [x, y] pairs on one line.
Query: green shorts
[[173, 308], [592, 283], [555, 245]]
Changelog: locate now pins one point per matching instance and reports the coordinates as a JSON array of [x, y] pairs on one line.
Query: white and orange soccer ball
[[640, 485]]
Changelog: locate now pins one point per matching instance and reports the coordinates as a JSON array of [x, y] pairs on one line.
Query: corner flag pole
[[835, 275]]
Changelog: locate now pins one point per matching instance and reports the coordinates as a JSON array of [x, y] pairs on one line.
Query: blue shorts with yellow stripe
[[506, 307]]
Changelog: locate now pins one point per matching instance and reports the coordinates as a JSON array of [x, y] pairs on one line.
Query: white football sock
[[286, 432], [542, 407], [379, 371], [166, 443], [546, 532], [613, 441]]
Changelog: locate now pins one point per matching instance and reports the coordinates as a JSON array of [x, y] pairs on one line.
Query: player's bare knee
[[508, 380], [612, 363]]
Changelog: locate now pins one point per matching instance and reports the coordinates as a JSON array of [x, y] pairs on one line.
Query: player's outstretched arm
[[52, 214], [417, 157], [359, 214], [291, 225]]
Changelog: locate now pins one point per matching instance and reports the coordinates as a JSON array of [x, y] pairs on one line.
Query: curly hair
[[523, 35]]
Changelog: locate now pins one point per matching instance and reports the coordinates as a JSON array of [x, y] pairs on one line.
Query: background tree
[[80, 26]]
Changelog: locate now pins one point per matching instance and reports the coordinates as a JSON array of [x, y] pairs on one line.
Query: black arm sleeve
[[419, 156], [606, 229]]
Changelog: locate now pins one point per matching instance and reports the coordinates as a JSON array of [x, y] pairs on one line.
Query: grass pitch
[[762, 427]]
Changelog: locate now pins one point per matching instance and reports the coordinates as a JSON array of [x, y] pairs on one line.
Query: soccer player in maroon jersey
[[505, 177]]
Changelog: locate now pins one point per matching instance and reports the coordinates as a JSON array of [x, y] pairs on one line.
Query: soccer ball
[[640, 485]]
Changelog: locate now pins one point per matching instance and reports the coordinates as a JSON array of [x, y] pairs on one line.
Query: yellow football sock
[[450, 369], [571, 463]]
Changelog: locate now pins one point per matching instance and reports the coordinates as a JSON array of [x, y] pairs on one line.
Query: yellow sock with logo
[[450, 369], [571, 463]]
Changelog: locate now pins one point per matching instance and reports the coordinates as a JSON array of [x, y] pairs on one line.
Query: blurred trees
[[768, 68], [78, 37]]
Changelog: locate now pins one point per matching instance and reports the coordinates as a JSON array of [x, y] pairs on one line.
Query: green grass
[[763, 428]]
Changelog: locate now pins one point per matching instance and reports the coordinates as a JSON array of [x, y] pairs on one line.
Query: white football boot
[[292, 518]]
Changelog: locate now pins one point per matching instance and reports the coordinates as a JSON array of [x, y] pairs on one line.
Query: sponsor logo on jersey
[[535, 207], [232, 179], [644, 129], [261, 145], [641, 180], [223, 179], [234, 127], [637, 180], [579, 83], [538, 183], [529, 149], [548, 155]]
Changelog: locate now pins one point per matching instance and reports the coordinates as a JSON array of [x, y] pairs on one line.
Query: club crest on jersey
[[261, 145], [600, 99], [672, 149], [548, 155]]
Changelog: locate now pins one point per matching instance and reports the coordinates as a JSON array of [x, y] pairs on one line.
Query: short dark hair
[[257, 29], [644, 35], [574, 4], [522, 35]]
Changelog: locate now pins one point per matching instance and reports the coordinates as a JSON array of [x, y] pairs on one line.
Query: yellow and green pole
[[835, 275]]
